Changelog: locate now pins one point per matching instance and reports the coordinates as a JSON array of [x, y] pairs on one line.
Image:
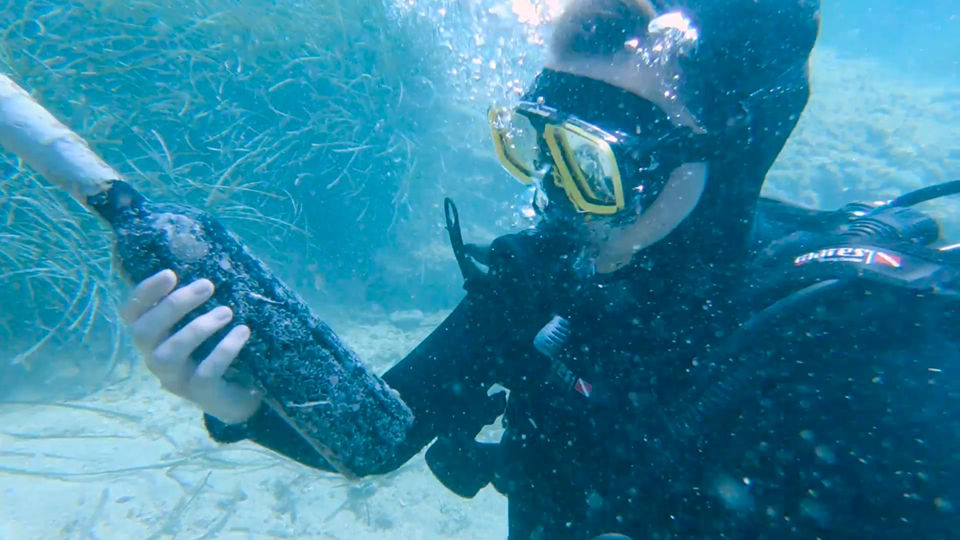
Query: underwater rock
[[407, 319]]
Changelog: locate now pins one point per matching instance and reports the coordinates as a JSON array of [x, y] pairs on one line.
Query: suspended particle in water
[[734, 495]]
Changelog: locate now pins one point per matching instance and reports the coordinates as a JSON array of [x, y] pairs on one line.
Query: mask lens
[[592, 166], [515, 141]]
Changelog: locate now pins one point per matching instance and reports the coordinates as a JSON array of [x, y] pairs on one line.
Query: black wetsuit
[[836, 418]]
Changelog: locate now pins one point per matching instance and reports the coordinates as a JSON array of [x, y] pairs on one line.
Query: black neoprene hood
[[751, 62], [752, 59], [749, 69]]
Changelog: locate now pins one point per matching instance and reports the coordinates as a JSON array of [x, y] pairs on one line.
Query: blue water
[[919, 38]]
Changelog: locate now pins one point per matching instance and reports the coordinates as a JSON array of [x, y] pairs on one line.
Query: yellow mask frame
[[565, 138]]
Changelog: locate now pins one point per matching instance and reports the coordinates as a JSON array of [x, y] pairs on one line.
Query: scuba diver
[[681, 357]]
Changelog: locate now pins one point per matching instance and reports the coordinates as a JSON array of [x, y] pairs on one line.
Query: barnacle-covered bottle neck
[[120, 200]]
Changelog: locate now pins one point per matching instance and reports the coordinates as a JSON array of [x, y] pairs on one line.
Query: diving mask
[[601, 171], [583, 163]]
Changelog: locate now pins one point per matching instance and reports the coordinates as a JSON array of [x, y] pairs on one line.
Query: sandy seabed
[[132, 461]]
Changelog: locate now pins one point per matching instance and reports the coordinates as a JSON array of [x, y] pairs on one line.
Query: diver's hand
[[154, 309]]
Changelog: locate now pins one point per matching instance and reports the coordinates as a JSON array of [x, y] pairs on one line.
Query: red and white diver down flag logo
[[583, 387]]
